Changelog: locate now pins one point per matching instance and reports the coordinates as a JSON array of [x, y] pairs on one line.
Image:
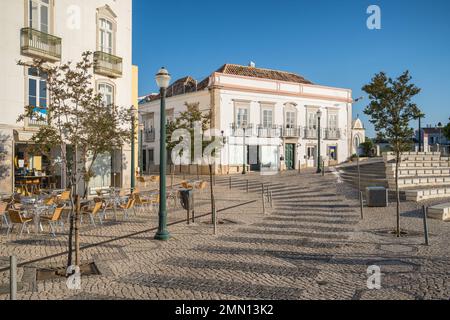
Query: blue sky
[[326, 41]]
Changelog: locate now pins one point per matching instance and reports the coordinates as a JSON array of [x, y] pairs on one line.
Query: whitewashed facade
[[59, 31], [281, 117]]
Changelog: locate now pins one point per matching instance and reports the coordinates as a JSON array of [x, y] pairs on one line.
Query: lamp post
[[420, 115], [163, 80], [319, 115], [244, 162], [223, 143], [133, 146]]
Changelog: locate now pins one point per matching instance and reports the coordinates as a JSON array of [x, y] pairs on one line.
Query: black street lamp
[[420, 115], [319, 115], [163, 80], [133, 146], [244, 128]]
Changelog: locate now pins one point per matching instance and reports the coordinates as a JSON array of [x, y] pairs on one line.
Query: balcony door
[[106, 36], [39, 15]]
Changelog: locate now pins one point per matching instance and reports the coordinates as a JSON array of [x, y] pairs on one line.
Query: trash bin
[[187, 199], [377, 197]]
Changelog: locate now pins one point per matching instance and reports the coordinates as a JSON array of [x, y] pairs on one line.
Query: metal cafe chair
[[54, 219], [16, 219]]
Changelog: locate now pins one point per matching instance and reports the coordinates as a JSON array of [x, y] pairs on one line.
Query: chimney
[[252, 64]]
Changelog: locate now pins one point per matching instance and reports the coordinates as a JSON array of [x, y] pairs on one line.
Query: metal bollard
[[361, 203], [323, 168], [271, 199], [263, 204], [13, 278], [425, 225]]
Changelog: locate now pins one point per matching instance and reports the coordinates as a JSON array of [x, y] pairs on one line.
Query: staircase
[[373, 174], [422, 175]]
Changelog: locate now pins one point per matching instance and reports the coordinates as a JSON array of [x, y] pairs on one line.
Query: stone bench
[[419, 172], [440, 212], [420, 195]]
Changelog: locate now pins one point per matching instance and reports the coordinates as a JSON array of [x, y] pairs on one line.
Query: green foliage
[[367, 147], [446, 131], [391, 109], [186, 120], [77, 116]]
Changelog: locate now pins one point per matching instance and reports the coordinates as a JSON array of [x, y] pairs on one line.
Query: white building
[[59, 31], [280, 110]]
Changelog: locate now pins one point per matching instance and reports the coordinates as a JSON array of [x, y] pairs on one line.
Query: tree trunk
[[397, 193], [77, 232], [172, 175], [72, 204]]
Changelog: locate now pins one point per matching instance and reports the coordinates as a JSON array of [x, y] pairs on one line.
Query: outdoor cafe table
[[34, 206], [114, 200]]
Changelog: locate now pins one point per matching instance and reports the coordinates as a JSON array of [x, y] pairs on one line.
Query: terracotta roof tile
[[261, 73], [189, 84]]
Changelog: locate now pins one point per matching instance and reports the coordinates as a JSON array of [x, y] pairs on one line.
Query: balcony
[[332, 134], [311, 133], [40, 45], [149, 135], [238, 131], [107, 64], [292, 132], [269, 132]]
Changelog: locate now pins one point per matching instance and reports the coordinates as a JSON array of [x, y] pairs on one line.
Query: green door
[[289, 156]]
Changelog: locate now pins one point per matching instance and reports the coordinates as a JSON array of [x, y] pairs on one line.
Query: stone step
[[419, 172], [420, 181], [421, 164], [440, 212], [425, 194]]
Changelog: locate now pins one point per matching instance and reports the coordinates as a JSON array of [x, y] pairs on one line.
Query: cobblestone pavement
[[310, 245]]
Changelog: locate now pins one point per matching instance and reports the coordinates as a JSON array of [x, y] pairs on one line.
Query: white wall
[[74, 41]]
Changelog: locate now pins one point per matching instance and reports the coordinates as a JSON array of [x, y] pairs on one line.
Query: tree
[[367, 147], [77, 117], [446, 131], [391, 111], [187, 120]]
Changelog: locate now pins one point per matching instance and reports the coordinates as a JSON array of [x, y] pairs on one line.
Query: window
[[149, 122], [37, 90], [312, 120], [332, 153], [290, 119], [106, 36], [170, 116], [332, 121], [311, 152], [39, 15], [107, 93], [151, 156], [242, 116], [267, 118]]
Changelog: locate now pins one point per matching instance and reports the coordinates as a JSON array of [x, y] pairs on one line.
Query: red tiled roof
[[261, 73], [189, 84]]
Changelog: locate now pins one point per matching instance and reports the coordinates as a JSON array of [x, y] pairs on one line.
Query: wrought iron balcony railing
[[107, 64], [269, 132], [149, 135], [332, 134], [238, 130], [41, 45], [292, 132], [310, 133]]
